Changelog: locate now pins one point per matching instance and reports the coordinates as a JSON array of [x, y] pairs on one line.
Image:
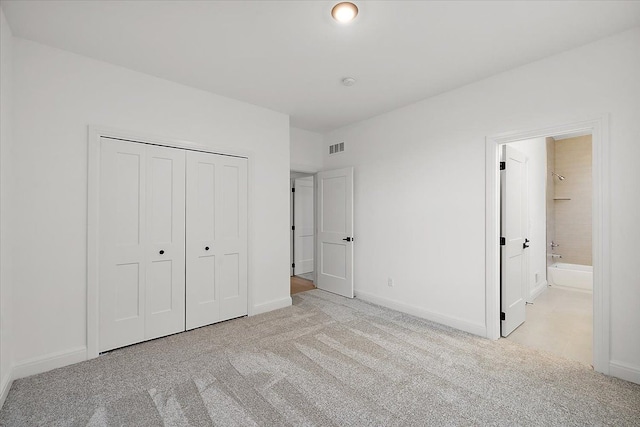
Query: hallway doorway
[[302, 239]]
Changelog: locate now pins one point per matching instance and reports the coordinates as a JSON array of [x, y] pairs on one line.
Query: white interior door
[[335, 231], [303, 221], [216, 238], [165, 284], [141, 291], [513, 229], [122, 244]]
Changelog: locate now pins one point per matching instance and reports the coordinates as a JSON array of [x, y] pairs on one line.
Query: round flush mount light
[[344, 12], [348, 81]]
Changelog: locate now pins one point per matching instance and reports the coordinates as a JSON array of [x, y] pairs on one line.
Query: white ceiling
[[290, 56]]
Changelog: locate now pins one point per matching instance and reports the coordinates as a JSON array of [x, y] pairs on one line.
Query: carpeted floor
[[324, 361]]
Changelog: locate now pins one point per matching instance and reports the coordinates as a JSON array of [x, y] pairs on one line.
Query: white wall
[[6, 65], [306, 150], [536, 152], [420, 184], [56, 95]]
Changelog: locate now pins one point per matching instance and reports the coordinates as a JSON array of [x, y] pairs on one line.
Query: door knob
[[161, 252], [348, 239], [206, 248]]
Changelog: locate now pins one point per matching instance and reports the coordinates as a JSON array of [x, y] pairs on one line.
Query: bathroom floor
[[559, 321]]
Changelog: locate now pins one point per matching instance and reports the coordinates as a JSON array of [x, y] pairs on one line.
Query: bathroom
[[569, 212], [558, 268]]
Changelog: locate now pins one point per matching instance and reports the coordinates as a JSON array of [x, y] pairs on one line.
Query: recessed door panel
[[159, 277], [334, 258], [161, 200], [127, 291], [127, 202], [205, 215], [334, 206], [230, 283], [204, 279], [230, 203]]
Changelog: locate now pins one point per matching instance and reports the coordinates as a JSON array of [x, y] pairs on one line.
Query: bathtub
[[571, 276]]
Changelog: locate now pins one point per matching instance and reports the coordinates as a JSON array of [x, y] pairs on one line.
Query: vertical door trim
[[95, 133], [601, 226]]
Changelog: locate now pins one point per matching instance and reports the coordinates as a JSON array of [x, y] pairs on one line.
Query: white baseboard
[[5, 386], [540, 288], [49, 361], [624, 371], [270, 306], [454, 322]]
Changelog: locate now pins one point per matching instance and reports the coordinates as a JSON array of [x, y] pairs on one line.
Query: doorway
[[599, 129], [302, 238], [323, 240], [548, 190]]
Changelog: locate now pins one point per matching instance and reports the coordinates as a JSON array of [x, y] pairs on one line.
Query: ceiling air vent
[[336, 148]]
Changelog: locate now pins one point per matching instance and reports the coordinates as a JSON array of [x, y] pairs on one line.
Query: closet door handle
[[161, 251], [206, 248]]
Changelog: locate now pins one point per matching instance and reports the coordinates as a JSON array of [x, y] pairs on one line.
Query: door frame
[[306, 172], [601, 228], [95, 133]]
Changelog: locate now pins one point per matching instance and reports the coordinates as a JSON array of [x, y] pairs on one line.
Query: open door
[[335, 231], [513, 240], [303, 235]]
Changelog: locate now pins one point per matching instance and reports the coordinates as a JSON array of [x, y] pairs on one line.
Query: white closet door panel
[[203, 302], [232, 230], [122, 244], [216, 238], [165, 253]]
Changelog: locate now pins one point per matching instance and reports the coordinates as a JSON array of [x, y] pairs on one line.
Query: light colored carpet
[[325, 361]]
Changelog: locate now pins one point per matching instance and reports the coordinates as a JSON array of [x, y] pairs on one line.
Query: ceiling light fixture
[[344, 12]]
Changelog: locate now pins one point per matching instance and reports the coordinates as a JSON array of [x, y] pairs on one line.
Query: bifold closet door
[[216, 238], [141, 283]]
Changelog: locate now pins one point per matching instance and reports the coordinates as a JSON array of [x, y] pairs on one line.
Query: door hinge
[[503, 316], [293, 228], [293, 190], [503, 241], [503, 166], [293, 265]]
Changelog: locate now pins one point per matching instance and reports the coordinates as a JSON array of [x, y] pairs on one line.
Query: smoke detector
[[348, 81]]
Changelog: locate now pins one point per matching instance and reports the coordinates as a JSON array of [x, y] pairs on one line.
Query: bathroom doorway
[[601, 258], [302, 232], [557, 268]]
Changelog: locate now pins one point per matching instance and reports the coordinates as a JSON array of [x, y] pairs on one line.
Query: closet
[[173, 241]]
